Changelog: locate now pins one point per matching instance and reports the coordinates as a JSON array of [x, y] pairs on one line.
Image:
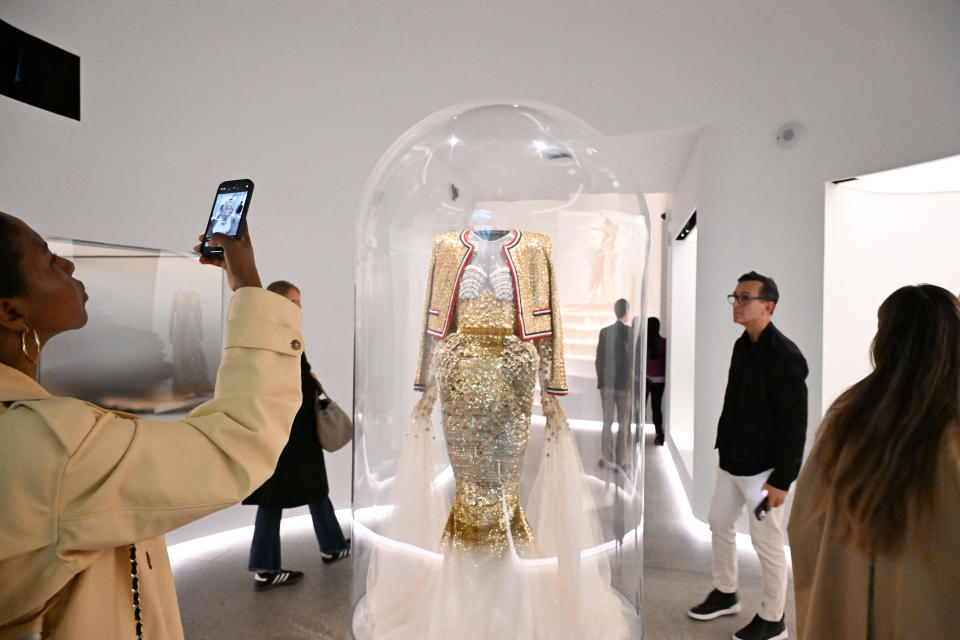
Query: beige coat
[[916, 595], [79, 483]]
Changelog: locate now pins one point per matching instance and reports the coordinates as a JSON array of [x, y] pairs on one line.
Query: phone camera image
[[227, 211]]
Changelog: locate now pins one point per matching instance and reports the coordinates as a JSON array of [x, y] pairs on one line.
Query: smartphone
[[761, 511], [230, 207]]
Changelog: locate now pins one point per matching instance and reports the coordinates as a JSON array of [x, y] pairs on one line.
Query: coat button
[[295, 345]]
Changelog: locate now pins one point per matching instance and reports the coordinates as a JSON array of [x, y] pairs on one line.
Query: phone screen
[[229, 208], [761, 511]]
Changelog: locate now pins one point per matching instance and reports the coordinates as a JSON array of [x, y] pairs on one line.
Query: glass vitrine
[[498, 481], [154, 337]]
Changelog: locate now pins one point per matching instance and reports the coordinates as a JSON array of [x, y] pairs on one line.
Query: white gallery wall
[[657, 203], [303, 96], [876, 243], [680, 333], [679, 399]]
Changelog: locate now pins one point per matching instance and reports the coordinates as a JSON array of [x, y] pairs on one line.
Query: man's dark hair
[[620, 307], [769, 289], [282, 287], [12, 282]]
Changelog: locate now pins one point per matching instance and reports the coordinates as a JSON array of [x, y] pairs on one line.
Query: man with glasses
[[760, 437]]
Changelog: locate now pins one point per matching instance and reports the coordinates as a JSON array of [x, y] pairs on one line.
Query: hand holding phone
[[761, 511], [226, 242], [229, 212], [237, 260]]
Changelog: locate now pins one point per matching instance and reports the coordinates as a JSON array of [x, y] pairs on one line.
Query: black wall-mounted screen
[[38, 73]]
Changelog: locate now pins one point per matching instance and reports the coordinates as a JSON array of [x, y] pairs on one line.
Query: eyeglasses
[[743, 298]]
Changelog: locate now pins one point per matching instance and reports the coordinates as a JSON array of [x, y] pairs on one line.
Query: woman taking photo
[[875, 528], [86, 494]]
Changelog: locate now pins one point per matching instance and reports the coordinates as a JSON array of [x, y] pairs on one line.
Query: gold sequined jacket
[[534, 287]]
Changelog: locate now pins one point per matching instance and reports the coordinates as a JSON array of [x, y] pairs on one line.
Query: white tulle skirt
[[416, 591]]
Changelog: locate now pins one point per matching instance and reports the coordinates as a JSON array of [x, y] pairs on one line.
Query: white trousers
[[731, 495]]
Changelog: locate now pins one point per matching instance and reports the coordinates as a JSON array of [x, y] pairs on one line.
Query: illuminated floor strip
[[699, 529], [205, 547]]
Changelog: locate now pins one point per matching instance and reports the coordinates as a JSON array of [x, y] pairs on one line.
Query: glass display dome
[[499, 312]]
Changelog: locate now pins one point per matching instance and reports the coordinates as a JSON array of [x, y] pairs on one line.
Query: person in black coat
[[299, 479], [615, 381], [656, 374]]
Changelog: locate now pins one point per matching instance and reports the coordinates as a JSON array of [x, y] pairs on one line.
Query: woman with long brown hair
[[875, 528]]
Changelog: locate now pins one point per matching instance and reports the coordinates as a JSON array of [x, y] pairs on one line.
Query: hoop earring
[[23, 346]]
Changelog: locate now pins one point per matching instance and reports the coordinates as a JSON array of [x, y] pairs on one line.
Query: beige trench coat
[[79, 483], [916, 595]]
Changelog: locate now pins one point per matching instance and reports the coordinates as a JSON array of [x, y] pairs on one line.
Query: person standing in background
[[615, 381], [299, 479], [656, 374]]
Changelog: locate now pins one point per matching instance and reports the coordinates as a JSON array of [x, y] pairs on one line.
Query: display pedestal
[[635, 621]]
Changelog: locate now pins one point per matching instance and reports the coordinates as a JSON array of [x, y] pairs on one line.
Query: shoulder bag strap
[[870, 603]]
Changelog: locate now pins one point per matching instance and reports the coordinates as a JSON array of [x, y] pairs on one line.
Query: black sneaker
[[330, 558], [717, 604], [760, 629], [263, 580]]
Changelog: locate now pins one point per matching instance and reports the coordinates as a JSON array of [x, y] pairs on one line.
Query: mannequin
[[488, 567]]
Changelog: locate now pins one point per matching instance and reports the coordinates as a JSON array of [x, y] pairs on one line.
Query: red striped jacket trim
[[456, 286]]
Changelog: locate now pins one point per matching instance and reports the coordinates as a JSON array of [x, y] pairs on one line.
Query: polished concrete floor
[[217, 599]]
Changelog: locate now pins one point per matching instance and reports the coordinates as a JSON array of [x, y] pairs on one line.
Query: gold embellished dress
[[486, 376], [491, 332]]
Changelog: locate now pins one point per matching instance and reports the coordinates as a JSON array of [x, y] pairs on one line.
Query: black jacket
[[613, 363], [764, 420], [301, 476]]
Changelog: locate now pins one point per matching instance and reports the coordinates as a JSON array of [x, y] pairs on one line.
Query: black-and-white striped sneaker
[[263, 580], [329, 558]]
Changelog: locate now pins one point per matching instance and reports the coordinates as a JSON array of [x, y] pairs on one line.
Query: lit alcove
[[882, 231]]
